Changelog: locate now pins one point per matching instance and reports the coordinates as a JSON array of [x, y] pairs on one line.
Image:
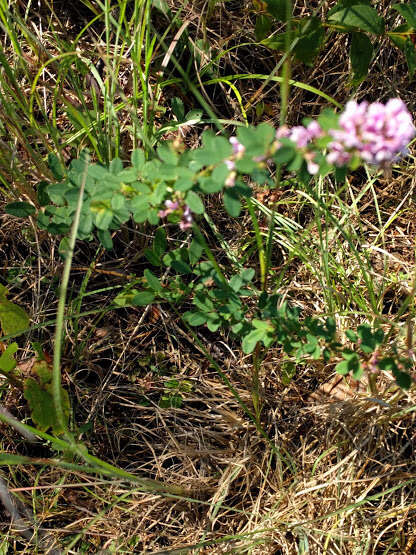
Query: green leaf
[[137, 159], [160, 243], [369, 340], [143, 298], [312, 36], [280, 9], [178, 108], [167, 154], [42, 406], [410, 53], [263, 26], [214, 150], [352, 336], [194, 202], [195, 318], [55, 166], [10, 459], [152, 281], [7, 361], [251, 339], [105, 238], [20, 209], [351, 363], [358, 16], [195, 251], [13, 319], [361, 53], [42, 193], [152, 257], [116, 166], [288, 370], [284, 154], [408, 11], [232, 202], [403, 379], [103, 218]]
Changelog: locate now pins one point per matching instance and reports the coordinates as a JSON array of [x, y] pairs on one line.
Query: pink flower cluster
[[184, 211], [302, 137], [378, 133]]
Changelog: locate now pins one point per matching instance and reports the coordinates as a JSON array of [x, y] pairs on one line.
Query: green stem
[[260, 246], [208, 252], [255, 393], [56, 372]]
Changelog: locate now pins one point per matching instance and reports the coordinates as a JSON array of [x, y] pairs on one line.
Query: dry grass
[[342, 479]]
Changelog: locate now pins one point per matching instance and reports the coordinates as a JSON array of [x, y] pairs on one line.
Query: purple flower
[[378, 133], [302, 137], [238, 148], [230, 164], [186, 221], [171, 206]]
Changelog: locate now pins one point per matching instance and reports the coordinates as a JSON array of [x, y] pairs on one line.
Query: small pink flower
[[171, 206], [186, 221], [238, 148]]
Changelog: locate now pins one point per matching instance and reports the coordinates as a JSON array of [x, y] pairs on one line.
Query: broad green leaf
[[20, 209], [152, 257], [311, 39], [408, 11], [352, 336], [232, 202], [143, 298], [288, 370], [410, 53], [167, 154], [116, 166], [42, 193], [105, 238], [403, 379], [138, 159], [7, 361], [359, 16], [361, 53], [103, 218], [42, 406], [57, 192], [280, 9], [263, 26], [152, 281], [251, 339], [284, 154], [160, 243], [13, 319], [195, 318], [195, 251], [178, 108], [214, 150], [55, 166], [194, 202]]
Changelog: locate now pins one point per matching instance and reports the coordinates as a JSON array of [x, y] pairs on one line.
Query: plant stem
[[209, 252], [255, 392], [56, 372], [260, 246]]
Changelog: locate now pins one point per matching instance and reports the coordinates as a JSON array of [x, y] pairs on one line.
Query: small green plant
[[171, 186]]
